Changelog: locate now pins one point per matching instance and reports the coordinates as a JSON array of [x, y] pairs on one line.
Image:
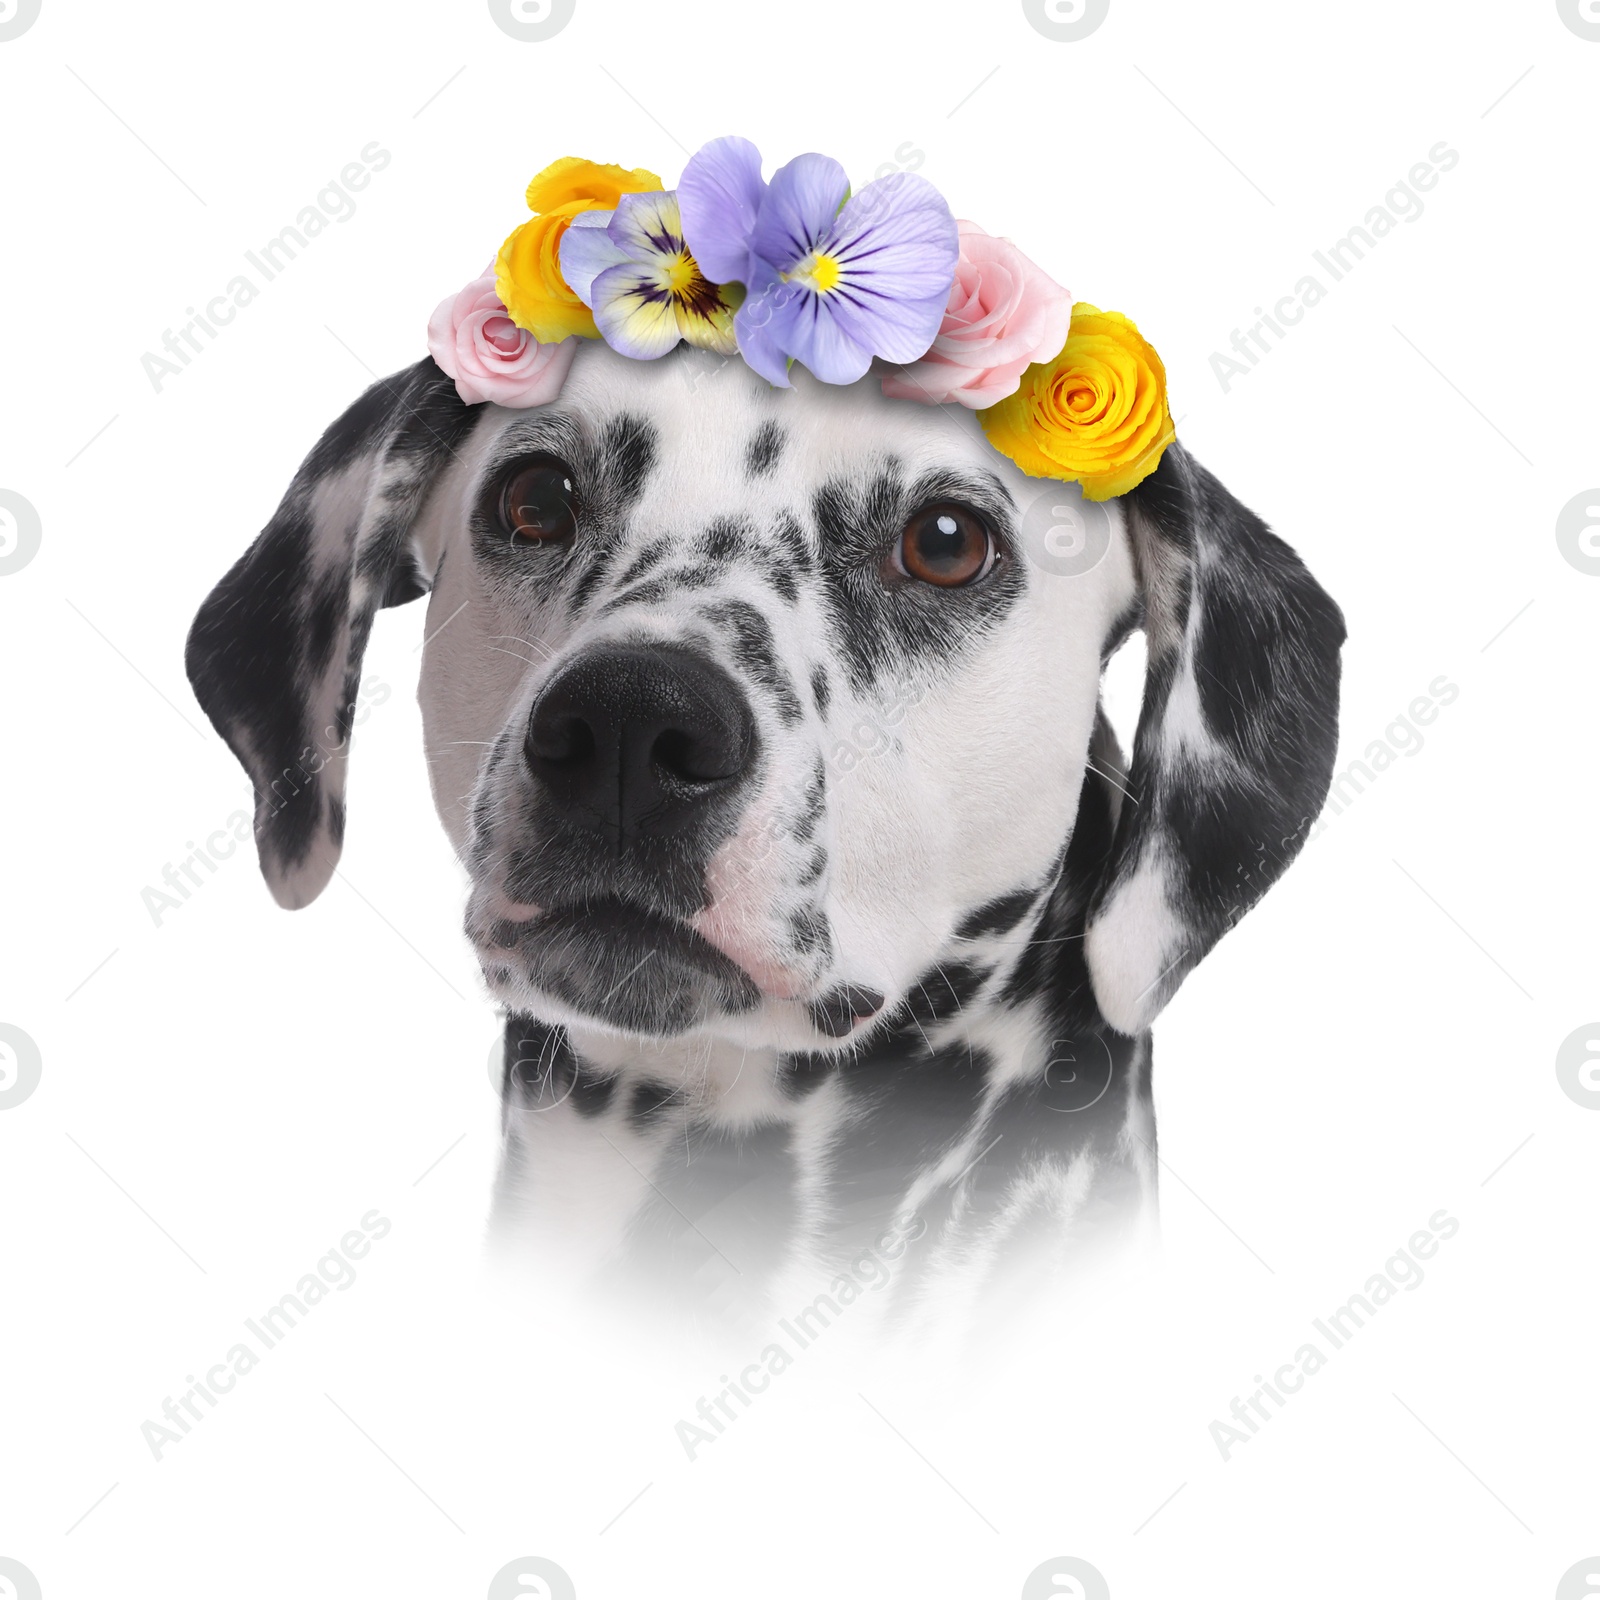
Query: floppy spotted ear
[[1236, 736], [275, 653]]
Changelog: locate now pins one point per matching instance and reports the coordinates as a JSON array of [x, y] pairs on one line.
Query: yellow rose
[[1096, 414], [527, 272], [601, 184]]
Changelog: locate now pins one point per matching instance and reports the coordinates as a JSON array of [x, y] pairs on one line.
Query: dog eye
[[536, 506], [947, 545]]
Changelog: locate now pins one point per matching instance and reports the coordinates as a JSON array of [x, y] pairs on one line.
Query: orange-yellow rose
[[1096, 414], [527, 272], [601, 184]]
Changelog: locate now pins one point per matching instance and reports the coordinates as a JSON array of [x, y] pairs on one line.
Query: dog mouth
[[623, 965]]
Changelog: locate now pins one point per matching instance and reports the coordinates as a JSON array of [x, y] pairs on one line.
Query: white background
[[226, 1094]]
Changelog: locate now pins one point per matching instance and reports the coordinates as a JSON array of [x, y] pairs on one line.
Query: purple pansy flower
[[630, 267], [830, 281]]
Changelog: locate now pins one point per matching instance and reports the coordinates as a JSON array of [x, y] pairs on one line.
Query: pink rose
[[489, 356], [1003, 314]]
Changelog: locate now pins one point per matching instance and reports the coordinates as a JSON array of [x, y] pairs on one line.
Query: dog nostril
[[562, 740], [695, 758]]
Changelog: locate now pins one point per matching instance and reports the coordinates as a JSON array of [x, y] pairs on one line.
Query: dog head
[[745, 706]]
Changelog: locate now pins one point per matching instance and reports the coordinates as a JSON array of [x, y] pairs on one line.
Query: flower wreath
[[796, 268]]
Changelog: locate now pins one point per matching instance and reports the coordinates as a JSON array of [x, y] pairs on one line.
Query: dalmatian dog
[[828, 918]]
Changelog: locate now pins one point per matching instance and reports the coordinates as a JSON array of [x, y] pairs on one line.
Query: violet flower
[[831, 281]]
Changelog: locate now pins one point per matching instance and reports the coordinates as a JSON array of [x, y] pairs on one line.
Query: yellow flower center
[[681, 272], [690, 289], [1081, 398], [818, 272]]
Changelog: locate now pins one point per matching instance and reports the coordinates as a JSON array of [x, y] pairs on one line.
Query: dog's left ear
[[1236, 736], [275, 653]]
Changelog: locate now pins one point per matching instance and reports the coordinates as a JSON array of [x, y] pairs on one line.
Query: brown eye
[[536, 505], [946, 545]]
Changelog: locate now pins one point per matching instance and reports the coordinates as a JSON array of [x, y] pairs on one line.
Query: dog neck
[[993, 1115]]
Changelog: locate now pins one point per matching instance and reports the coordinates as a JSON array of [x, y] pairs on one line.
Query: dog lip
[[561, 945], [612, 916], [839, 1010], [836, 1012]]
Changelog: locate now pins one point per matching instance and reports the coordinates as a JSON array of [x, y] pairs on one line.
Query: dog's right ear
[[1236, 735], [275, 653]]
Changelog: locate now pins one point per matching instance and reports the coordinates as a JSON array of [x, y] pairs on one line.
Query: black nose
[[637, 740]]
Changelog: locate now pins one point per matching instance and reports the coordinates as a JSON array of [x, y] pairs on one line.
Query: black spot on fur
[[942, 992], [592, 1092], [820, 690], [814, 804], [998, 916], [541, 1069], [626, 457], [765, 447], [727, 539], [661, 588], [647, 560], [783, 581], [808, 933], [642, 594], [612, 476], [755, 649], [800, 1075], [649, 1101], [795, 545], [733, 539]]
